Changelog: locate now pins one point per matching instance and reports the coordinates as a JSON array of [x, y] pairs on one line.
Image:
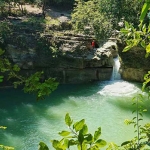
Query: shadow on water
[[15, 105]]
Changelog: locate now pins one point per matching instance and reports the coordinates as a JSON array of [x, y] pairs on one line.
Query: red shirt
[[93, 44]]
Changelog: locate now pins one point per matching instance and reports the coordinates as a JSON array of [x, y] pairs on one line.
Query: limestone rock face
[[75, 61], [134, 65]]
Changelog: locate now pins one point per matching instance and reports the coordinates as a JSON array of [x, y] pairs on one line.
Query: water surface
[[102, 104]]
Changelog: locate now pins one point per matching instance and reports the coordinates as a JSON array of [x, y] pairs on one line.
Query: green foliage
[[78, 136], [145, 9], [142, 139], [5, 30], [140, 36], [43, 146], [35, 83], [116, 10], [2, 127], [86, 18], [5, 147]]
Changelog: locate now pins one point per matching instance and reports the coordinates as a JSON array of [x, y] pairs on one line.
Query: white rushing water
[[116, 66]]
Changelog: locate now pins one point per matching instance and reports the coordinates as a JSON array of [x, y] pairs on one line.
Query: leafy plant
[[141, 139], [88, 19], [140, 36], [5, 147], [35, 83], [77, 136]]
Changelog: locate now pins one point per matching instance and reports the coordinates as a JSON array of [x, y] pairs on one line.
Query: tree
[[88, 19], [119, 10]]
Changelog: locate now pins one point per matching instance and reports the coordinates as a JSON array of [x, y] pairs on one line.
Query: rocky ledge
[[73, 62]]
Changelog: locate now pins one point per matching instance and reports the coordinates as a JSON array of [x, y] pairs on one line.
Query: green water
[[105, 104]]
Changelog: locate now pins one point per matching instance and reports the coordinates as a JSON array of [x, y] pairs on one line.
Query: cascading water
[[116, 66]]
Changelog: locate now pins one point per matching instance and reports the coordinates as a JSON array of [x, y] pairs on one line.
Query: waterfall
[[115, 73]]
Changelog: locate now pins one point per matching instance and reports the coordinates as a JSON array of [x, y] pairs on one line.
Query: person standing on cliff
[[93, 44]]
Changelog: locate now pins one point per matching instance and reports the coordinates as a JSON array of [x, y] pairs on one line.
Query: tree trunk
[[43, 8]]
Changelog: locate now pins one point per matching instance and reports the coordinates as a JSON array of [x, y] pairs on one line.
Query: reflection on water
[[104, 104]]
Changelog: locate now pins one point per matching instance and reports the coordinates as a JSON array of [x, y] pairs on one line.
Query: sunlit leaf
[[68, 120], [79, 125], [100, 143], [144, 11], [43, 146], [127, 48], [125, 143], [2, 127], [64, 133], [97, 134], [148, 48]]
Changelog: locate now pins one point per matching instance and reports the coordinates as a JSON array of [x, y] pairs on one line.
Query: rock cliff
[[61, 54], [134, 65]]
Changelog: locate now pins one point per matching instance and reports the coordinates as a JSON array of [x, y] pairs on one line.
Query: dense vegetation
[[95, 17]]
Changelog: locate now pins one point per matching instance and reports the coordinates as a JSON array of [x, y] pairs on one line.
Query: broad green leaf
[[6, 147], [79, 147], [73, 142], [84, 146], [66, 143], [79, 125], [133, 111], [134, 118], [80, 137], [64, 133], [124, 31], [84, 130], [144, 28], [125, 143], [141, 114], [100, 143], [89, 139], [127, 121], [97, 134], [144, 110], [140, 119], [148, 48], [147, 55], [127, 26], [127, 48], [55, 143], [143, 44], [68, 120], [144, 11], [43, 146], [112, 146], [2, 127]]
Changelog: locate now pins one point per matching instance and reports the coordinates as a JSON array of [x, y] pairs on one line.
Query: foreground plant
[[31, 84], [3, 146], [77, 136], [142, 139]]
